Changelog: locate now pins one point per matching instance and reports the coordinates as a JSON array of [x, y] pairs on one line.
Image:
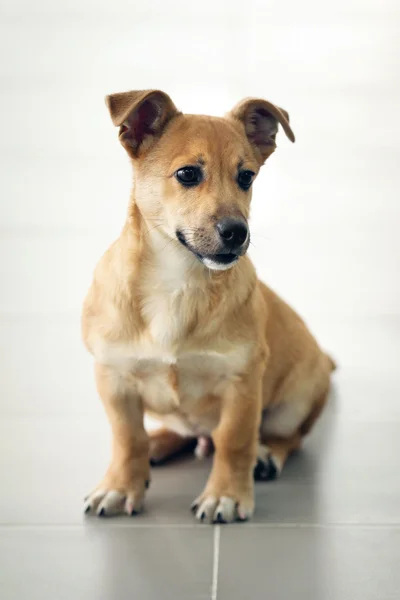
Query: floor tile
[[309, 563], [346, 473], [93, 563], [48, 465]]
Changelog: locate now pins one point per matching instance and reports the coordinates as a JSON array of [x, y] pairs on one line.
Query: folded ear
[[260, 119], [141, 117]]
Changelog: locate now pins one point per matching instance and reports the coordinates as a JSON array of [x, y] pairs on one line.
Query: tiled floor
[[325, 235]]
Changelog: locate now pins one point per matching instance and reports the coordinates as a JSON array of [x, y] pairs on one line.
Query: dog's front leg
[[123, 487], [229, 493]]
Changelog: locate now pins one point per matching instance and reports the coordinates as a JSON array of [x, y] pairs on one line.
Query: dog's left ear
[[141, 116], [260, 119]]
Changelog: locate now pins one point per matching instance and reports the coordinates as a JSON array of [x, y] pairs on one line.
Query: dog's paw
[[204, 447], [267, 467], [109, 499], [209, 508]]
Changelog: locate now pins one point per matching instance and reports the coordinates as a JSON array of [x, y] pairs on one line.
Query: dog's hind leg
[[272, 455], [165, 443], [275, 448]]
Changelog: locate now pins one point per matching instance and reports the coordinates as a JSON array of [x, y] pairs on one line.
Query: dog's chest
[[168, 373]]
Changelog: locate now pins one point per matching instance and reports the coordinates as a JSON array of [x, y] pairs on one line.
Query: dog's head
[[194, 174]]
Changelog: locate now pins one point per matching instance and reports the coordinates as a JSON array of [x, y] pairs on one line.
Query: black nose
[[233, 232]]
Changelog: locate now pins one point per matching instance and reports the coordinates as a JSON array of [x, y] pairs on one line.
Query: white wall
[[325, 210]]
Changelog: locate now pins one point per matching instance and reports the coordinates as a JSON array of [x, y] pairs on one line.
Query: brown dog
[[178, 323]]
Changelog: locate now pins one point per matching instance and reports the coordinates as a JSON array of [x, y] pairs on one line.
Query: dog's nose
[[233, 232]]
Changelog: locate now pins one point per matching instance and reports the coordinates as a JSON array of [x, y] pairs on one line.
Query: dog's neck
[[160, 264]]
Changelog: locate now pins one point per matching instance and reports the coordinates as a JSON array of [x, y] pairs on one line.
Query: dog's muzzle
[[233, 241]]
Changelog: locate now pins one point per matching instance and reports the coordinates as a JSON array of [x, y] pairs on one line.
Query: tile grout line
[[93, 523], [216, 546], [98, 525]]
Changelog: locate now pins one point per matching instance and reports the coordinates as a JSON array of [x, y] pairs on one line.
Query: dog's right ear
[[260, 119], [141, 117]]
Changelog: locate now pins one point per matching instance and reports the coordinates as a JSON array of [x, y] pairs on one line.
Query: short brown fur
[[208, 351]]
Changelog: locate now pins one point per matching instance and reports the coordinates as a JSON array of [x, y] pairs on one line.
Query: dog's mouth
[[217, 262]]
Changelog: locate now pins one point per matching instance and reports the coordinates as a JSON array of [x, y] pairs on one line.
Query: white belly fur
[[148, 369]]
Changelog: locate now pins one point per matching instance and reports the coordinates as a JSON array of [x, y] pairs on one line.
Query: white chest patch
[[166, 293], [165, 315]]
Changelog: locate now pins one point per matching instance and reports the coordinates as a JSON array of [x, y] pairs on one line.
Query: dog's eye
[[245, 179], [189, 176]]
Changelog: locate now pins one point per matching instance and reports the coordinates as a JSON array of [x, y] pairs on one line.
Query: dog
[[180, 326]]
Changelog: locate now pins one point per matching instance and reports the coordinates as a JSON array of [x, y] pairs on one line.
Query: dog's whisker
[[152, 228], [169, 242]]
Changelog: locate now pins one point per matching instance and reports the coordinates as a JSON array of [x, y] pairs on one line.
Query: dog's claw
[[219, 519]]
